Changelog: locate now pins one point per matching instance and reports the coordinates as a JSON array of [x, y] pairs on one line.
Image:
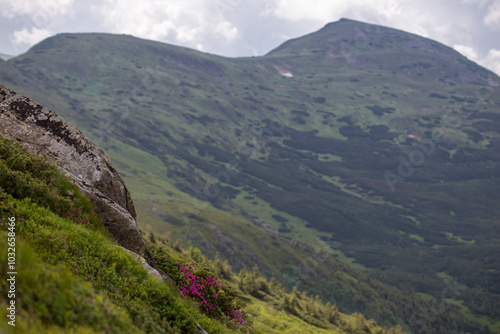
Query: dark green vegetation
[[284, 160], [267, 303], [73, 278]]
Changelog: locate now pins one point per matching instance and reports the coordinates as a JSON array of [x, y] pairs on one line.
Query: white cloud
[[227, 30], [186, 33], [34, 20], [493, 61], [183, 21], [30, 36], [34, 8], [466, 51], [482, 3], [292, 10], [331, 10], [440, 23], [492, 18]]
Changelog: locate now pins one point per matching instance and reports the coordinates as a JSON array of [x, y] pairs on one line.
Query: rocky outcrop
[[42, 132]]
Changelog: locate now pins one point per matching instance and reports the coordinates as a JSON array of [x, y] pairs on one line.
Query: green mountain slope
[[72, 277], [356, 143]]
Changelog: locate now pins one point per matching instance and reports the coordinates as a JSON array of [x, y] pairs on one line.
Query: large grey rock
[[42, 132]]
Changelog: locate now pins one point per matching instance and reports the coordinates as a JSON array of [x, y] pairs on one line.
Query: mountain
[[5, 57], [358, 162], [84, 266], [67, 207]]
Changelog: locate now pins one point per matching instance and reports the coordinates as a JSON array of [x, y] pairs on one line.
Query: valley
[[363, 170]]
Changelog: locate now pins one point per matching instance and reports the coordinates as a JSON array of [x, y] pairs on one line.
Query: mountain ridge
[[352, 39], [304, 152]]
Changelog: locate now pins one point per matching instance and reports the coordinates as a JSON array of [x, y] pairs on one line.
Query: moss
[[96, 280], [97, 259], [50, 298]]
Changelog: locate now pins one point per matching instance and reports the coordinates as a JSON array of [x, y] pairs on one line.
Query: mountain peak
[[242, 156], [374, 47], [357, 34]]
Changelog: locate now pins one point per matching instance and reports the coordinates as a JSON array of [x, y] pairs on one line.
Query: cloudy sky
[[235, 28]]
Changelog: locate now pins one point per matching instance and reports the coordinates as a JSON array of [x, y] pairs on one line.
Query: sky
[[240, 28]]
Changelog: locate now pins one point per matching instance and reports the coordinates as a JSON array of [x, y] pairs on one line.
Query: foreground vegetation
[[268, 303], [71, 271], [302, 157], [73, 278]]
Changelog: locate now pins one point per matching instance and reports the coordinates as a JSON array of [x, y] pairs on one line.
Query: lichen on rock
[[42, 132]]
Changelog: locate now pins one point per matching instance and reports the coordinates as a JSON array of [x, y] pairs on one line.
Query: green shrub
[[186, 273], [50, 296], [98, 260], [47, 206]]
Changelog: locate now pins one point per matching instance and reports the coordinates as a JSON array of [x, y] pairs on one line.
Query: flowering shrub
[[205, 290], [237, 317], [199, 282]]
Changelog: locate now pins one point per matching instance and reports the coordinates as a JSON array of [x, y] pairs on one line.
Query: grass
[[267, 305], [51, 298], [72, 276], [312, 148]]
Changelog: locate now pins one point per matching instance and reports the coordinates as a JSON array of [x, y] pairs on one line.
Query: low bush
[[200, 283], [51, 298]]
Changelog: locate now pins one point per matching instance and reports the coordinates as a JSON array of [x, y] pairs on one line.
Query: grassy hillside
[[357, 145], [72, 277]]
